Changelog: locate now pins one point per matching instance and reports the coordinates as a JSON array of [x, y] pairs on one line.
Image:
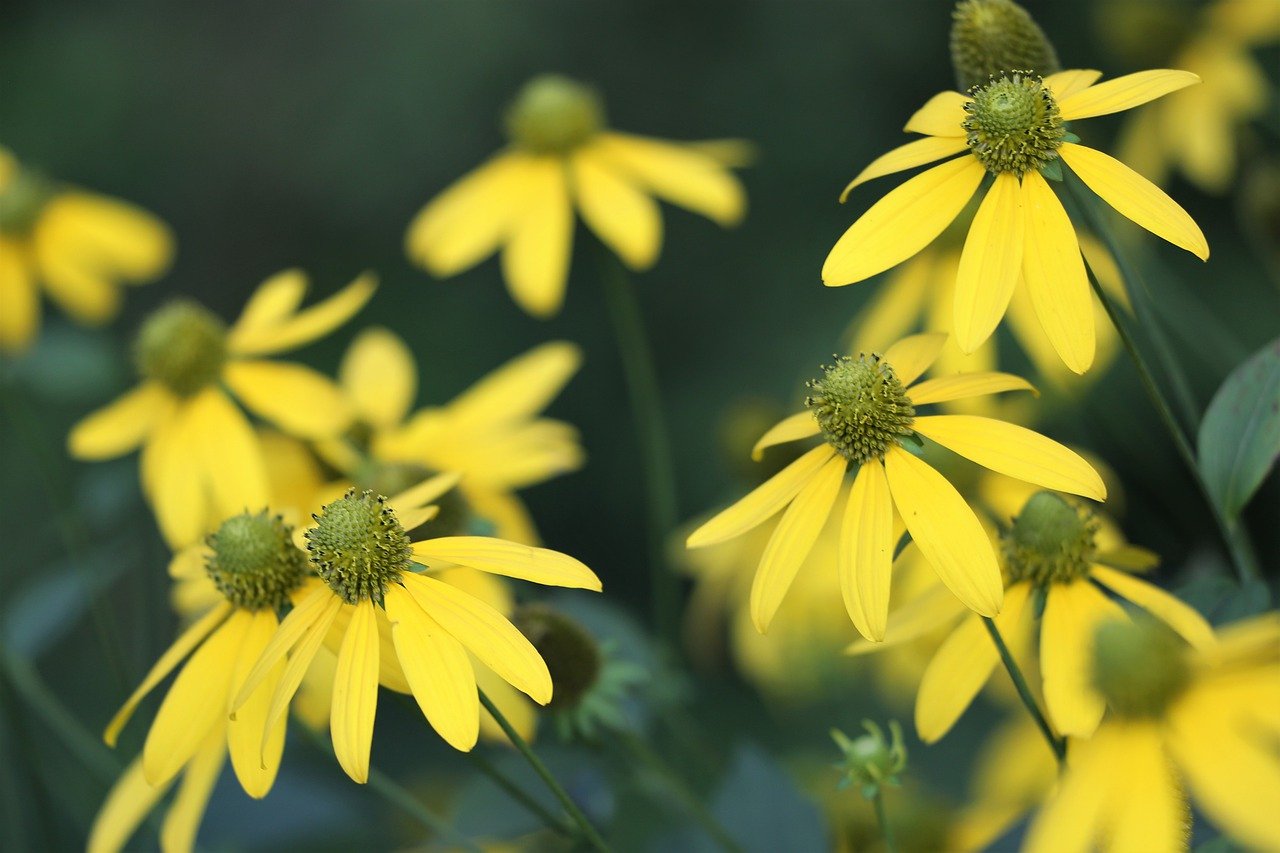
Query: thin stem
[[1057, 744], [886, 831], [655, 444], [588, 832], [518, 794], [394, 793]]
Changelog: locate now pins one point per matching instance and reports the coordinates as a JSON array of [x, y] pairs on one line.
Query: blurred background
[[291, 134]]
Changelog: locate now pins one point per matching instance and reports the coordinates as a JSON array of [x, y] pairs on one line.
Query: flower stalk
[[1057, 744]]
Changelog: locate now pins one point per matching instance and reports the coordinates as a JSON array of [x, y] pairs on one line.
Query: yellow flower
[[365, 560], [864, 409], [1204, 721], [1012, 128], [200, 456], [255, 566], [490, 434], [562, 157], [79, 246]]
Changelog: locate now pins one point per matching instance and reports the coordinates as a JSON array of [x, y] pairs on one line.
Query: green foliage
[[1240, 435]]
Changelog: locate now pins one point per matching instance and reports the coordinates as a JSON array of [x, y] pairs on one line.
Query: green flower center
[[1141, 667], [254, 562], [182, 345], [1051, 541], [992, 37], [22, 200], [1013, 124], [861, 407], [359, 547], [554, 114]]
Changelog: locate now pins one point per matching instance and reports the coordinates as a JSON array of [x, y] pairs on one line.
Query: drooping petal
[[864, 562], [913, 355], [1170, 609], [1072, 614], [1136, 198], [624, 218], [83, 291], [19, 299], [107, 237], [943, 389], [437, 669], [232, 458], [511, 559], [424, 493], [172, 477], [1147, 812], [309, 604], [1123, 93], [120, 426], [182, 821], [793, 428], [990, 263], [942, 115], [1063, 84], [307, 325], [792, 540], [485, 632], [256, 759], [272, 301], [903, 222], [292, 396], [680, 174], [315, 628], [908, 156], [946, 531], [355, 693], [1015, 451], [1069, 823], [1054, 272], [517, 390], [535, 261], [379, 376], [128, 803], [762, 502]]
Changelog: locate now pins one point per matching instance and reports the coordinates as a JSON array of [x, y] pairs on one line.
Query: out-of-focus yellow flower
[[490, 434], [562, 156], [1204, 721], [200, 456], [1012, 129], [1013, 774], [864, 409], [77, 246], [1195, 133]]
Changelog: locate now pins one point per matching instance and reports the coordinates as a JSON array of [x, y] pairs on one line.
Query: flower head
[[990, 37]]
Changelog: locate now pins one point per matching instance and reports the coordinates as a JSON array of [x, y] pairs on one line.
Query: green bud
[[1051, 540], [1141, 667], [572, 655], [861, 407], [553, 114], [871, 761], [182, 345], [358, 546], [993, 37], [253, 561]]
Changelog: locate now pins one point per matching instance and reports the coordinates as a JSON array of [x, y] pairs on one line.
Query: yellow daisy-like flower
[[1204, 721], [1011, 128], [255, 566], [77, 246], [200, 457], [562, 157], [864, 409], [365, 562]]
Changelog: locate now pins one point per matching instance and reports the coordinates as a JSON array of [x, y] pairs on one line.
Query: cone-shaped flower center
[[572, 654], [1051, 541], [554, 114], [183, 346], [22, 199], [1013, 124], [254, 562], [1141, 667], [358, 546], [992, 37], [861, 406]]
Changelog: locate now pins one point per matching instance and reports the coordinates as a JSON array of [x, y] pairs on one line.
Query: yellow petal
[[310, 605], [1055, 276], [865, 559], [514, 705], [174, 655], [307, 325], [990, 263], [681, 174], [128, 803], [173, 477], [468, 221], [1072, 614], [295, 398], [942, 115], [424, 493], [1129, 558], [511, 559], [1179, 615], [535, 262], [196, 703], [379, 376], [122, 425], [485, 632], [928, 612], [272, 301], [1069, 823], [517, 390], [1123, 93], [1136, 198], [256, 760], [232, 458], [1015, 451], [896, 306], [182, 821], [946, 531], [303, 652], [792, 540], [762, 502], [943, 389], [19, 299], [903, 222], [83, 289], [623, 217], [907, 156], [913, 355], [355, 693], [438, 670], [793, 428], [1063, 84], [1147, 812], [108, 237], [959, 668]]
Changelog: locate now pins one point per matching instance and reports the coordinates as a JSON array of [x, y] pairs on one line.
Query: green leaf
[[1052, 170], [1240, 435]]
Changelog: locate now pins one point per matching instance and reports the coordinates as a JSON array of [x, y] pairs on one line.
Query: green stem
[[588, 832], [886, 831], [1057, 744], [678, 789], [655, 443], [518, 794]]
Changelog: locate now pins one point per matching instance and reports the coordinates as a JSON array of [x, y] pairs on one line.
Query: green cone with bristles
[[1052, 540], [1141, 667], [861, 407], [358, 546], [253, 561], [993, 37], [183, 346]]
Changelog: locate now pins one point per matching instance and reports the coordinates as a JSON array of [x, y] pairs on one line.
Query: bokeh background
[[271, 135]]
